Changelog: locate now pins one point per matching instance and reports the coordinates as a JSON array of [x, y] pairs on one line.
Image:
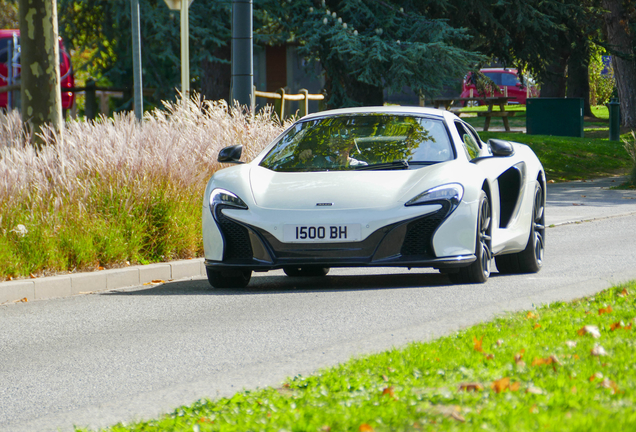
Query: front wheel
[[229, 278], [530, 260], [479, 271]]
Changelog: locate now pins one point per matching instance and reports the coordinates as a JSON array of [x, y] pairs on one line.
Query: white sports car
[[384, 186]]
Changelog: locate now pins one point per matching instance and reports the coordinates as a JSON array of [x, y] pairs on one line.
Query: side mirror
[[231, 154], [501, 147]]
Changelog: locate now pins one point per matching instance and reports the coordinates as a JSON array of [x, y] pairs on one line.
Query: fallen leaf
[[158, 281], [500, 385], [365, 428], [477, 344], [388, 391], [100, 268], [623, 293], [531, 315], [385, 378], [471, 386], [23, 300], [607, 383], [534, 390], [538, 361], [597, 375], [592, 330], [550, 181], [616, 325], [489, 356], [500, 342], [536, 326], [570, 344], [598, 351], [602, 311], [457, 416], [325, 428], [514, 386], [582, 196], [32, 276], [534, 409]]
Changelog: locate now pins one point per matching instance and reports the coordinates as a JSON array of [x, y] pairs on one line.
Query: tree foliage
[[104, 28], [8, 14], [367, 46]]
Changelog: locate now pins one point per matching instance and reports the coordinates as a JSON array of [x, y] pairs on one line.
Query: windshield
[[368, 141]]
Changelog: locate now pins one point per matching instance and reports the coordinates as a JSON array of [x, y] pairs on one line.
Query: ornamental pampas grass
[[115, 191]]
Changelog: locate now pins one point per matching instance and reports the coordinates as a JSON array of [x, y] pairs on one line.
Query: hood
[[341, 189]]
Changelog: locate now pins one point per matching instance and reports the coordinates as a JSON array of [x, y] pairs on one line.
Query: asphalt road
[[93, 360]]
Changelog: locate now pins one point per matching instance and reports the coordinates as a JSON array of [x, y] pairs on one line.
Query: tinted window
[[495, 76], [4, 46], [351, 142], [509, 79]]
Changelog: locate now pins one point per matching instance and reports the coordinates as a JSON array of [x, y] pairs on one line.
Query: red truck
[[66, 69]]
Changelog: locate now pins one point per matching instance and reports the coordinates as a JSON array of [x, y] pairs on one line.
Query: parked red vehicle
[[66, 69], [507, 81]]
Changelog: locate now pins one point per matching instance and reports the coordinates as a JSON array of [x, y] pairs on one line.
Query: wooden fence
[[280, 97], [92, 91]]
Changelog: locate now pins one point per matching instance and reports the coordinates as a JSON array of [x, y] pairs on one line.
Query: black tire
[[229, 278], [530, 260], [479, 271], [310, 271]]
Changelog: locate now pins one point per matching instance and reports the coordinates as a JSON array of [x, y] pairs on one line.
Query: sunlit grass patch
[[566, 367], [569, 158]]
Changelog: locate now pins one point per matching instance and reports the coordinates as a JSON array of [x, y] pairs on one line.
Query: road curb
[[98, 281]]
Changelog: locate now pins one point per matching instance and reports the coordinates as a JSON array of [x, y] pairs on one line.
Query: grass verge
[[565, 366], [569, 158]]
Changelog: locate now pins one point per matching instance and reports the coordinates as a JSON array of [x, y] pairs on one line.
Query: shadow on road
[[278, 284]]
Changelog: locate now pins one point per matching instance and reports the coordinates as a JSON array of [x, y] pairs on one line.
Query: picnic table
[[501, 101]]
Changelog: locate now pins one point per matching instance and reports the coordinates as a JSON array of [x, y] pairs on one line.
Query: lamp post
[[185, 44], [138, 96], [242, 89]]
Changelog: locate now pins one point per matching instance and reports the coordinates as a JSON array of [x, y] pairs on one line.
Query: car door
[[506, 178]]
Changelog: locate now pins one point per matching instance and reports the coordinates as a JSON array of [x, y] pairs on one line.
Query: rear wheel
[[530, 260], [478, 271], [229, 278], [310, 271]]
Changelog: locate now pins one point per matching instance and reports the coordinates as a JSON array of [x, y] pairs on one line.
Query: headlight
[[453, 193], [227, 198]]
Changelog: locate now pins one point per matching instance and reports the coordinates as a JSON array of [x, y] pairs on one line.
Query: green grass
[[569, 158], [594, 127], [527, 371]]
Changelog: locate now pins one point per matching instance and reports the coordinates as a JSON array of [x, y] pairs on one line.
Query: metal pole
[[138, 96], [185, 51], [10, 74], [242, 89]]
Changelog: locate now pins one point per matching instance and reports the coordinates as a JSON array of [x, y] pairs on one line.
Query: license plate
[[321, 233]]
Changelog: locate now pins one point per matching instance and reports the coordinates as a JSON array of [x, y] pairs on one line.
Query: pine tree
[[367, 46]]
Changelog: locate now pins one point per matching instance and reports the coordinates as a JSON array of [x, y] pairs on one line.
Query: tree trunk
[[40, 58], [553, 79], [578, 81], [621, 43], [345, 90], [217, 76]]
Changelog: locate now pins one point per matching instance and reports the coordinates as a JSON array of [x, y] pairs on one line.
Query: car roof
[[8, 33], [413, 110], [509, 70]]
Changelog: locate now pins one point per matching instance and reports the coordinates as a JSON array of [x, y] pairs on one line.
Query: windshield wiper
[[398, 164]]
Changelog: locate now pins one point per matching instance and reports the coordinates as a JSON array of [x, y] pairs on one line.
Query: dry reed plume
[[82, 189]]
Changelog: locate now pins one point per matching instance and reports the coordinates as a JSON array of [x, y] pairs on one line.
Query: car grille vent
[[237, 239], [419, 234]]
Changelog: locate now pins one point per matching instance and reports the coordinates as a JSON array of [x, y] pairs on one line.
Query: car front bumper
[[407, 243]]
